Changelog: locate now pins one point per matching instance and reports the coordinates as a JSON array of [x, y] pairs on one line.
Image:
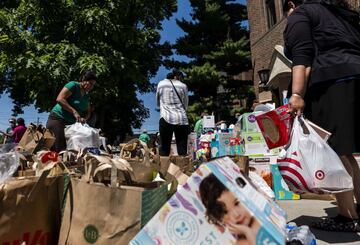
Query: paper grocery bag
[[143, 168], [35, 139], [30, 210], [98, 214], [184, 163], [176, 172]]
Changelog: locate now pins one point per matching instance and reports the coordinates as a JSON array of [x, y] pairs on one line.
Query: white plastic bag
[[9, 163], [308, 164], [79, 136]]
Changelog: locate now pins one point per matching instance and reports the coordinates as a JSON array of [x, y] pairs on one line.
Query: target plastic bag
[[308, 164], [79, 136]]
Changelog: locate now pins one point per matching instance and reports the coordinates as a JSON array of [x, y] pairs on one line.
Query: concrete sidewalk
[[304, 211]]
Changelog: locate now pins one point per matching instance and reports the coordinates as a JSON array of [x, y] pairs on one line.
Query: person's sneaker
[[339, 223]]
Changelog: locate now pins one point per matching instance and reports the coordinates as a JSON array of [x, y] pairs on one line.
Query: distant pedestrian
[[72, 106], [144, 137], [323, 42], [199, 124], [9, 133], [19, 130], [172, 98]]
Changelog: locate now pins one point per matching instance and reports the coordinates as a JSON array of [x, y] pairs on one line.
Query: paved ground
[[303, 212]]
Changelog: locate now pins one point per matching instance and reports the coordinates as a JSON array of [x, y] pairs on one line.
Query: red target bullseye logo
[[320, 175]]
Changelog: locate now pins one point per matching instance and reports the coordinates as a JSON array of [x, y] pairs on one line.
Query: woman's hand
[[296, 104], [243, 230], [77, 116]]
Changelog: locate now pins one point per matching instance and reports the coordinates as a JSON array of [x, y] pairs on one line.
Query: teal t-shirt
[[79, 102]]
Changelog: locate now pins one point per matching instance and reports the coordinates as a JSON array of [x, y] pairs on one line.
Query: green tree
[[217, 44], [44, 44]]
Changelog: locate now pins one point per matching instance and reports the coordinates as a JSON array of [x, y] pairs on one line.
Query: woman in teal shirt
[[72, 106]]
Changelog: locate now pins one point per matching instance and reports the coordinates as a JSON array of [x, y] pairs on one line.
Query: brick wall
[[263, 39]]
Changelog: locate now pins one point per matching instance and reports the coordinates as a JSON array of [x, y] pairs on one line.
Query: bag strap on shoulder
[[177, 94]]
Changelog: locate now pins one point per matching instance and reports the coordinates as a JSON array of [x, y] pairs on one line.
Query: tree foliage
[[217, 44], [44, 44]]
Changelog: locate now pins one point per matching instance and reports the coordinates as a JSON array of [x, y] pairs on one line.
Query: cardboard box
[[220, 145], [275, 126], [185, 219], [235, 146], [193, 145], [209, 122], [248, 122], [261, 166], [252, 140], [267, 164], [280, 188], [224, 144], [254, 144]]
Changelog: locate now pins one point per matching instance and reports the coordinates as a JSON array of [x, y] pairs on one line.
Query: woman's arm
[[62, 100], [300, 76], [7, 134], [298, 39]]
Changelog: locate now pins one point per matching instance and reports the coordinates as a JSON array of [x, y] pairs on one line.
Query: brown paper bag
[[143, 168], [99, 214], [176, 172], [184, 163], [99, 168], [30, 210], [35, 139], [167, 169]]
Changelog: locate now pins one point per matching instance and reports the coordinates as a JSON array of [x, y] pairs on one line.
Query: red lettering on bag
[[39, 237]]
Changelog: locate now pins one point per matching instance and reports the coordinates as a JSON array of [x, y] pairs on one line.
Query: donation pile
[[79, 196], [222, 192]]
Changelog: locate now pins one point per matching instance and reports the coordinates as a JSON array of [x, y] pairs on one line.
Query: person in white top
[[172, 98]]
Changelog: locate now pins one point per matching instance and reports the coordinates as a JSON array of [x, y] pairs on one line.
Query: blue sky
[[169, 33]]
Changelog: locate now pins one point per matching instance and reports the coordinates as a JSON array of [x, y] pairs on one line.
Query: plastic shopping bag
[[79, 136], [308, 164], [9, 163]]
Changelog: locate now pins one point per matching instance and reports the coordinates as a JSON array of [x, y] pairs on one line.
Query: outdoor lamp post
[[264, 75]]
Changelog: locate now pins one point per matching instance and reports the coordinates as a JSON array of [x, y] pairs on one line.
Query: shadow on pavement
[[327, 236]]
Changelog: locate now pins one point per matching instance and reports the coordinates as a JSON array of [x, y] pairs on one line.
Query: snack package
[[275, 126]]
